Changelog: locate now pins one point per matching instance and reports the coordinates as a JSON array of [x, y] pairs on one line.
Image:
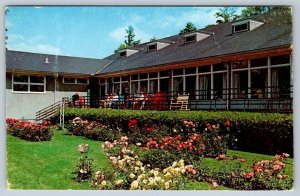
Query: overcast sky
[[95, 32]]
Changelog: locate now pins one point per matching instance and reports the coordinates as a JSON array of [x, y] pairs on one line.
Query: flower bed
[[26, 130], [267, 133]]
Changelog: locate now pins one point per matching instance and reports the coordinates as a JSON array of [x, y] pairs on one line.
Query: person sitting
[[75, 100], [115, 100], [81, 102], [109, 101]]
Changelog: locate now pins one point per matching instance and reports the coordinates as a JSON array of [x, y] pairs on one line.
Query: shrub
[[157, 158], [26, 130], [267, 133], [83, 171]]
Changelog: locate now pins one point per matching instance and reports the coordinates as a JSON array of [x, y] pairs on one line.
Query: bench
[[181, 103]]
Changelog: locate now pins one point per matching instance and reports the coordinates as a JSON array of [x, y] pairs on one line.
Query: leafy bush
[[26, 130], [157, 158], [267, 133], [83, 171]]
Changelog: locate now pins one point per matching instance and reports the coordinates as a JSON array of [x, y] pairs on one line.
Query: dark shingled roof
[[275, 32], [26, 61]]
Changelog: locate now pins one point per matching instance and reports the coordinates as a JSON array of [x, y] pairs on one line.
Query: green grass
[[49, 165]]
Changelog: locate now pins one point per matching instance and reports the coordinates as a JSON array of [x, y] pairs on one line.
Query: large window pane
[[153, 86], [277, 60], [20, 78], [239, 64], [82, 81], [190, 86], [204, 87], [178, 85], [204, 69], [117, 88], [20, 87], [36, 88], [220, 85], [143, 76], [36, 79], [259, 62], [219, 67], [240, 84], [164, 73], [153, 75], [144, 86], [134, 87], [280, 82], [259, 83], [177, 72], [191, 70], [164, 85], [69, 80]]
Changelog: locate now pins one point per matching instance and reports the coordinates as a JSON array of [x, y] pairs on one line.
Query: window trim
[[28, 85], [155, 47], [87, 81]]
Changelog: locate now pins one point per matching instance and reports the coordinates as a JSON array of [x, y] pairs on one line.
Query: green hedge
[[267, 133]]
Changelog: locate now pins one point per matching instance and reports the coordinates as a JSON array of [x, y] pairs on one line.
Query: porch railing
[[273, 99]]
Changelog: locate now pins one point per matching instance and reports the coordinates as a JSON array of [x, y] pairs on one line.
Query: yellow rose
[[131, 175], [103, 183]]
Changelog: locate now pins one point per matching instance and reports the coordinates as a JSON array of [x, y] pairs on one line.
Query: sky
[[95, 32]]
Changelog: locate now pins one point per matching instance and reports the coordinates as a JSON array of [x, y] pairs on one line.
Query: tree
[[254, 10], [122, 46], [129, 42], [153, 39], [227, 14], [189, 27], [130, 37]]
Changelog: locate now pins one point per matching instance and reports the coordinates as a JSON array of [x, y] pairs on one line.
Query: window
[[241, 27], [82, 81], [277, 60], [123, 53], [124, 78], [75, 81], [191, 70], [177, 72], [191, 38], [152, 47], [153, 75], [24, 83], [204, 69], [143, 76], [135, 77], [259, 62], [164, 73], [219, 67], [117, 79]]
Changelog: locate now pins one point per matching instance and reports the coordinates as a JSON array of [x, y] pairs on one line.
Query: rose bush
[[30, 131]]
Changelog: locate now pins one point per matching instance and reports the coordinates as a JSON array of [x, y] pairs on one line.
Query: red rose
[[227, 124]]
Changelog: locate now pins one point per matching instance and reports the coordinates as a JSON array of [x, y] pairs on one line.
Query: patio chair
[[181, 103]]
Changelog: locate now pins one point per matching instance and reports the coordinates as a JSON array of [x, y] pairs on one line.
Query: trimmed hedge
[[267, 133]]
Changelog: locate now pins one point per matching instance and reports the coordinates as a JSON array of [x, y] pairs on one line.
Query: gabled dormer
[[195, 37], [156, 45], [127, 52], [245, 25]]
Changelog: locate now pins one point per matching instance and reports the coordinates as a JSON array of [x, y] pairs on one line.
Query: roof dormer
[[157, 45], [245, 25], [127, 52], [195, 37]]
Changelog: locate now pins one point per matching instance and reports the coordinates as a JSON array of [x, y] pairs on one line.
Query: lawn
[[49, 165]]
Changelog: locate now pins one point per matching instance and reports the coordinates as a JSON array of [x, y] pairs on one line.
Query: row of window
[[37, 84]]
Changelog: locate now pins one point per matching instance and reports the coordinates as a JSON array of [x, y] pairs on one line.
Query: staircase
[[51, 110]]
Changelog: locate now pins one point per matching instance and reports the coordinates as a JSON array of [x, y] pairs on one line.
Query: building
[[241, 65]]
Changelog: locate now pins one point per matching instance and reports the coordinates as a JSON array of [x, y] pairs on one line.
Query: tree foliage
[[129, 41], [130, 37], [189, 27], [226, 14], [153, 39]]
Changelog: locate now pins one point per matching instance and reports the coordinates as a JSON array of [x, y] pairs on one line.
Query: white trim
[[28, 83]]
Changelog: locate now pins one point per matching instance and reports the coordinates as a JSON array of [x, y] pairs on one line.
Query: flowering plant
[[29, 131]]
